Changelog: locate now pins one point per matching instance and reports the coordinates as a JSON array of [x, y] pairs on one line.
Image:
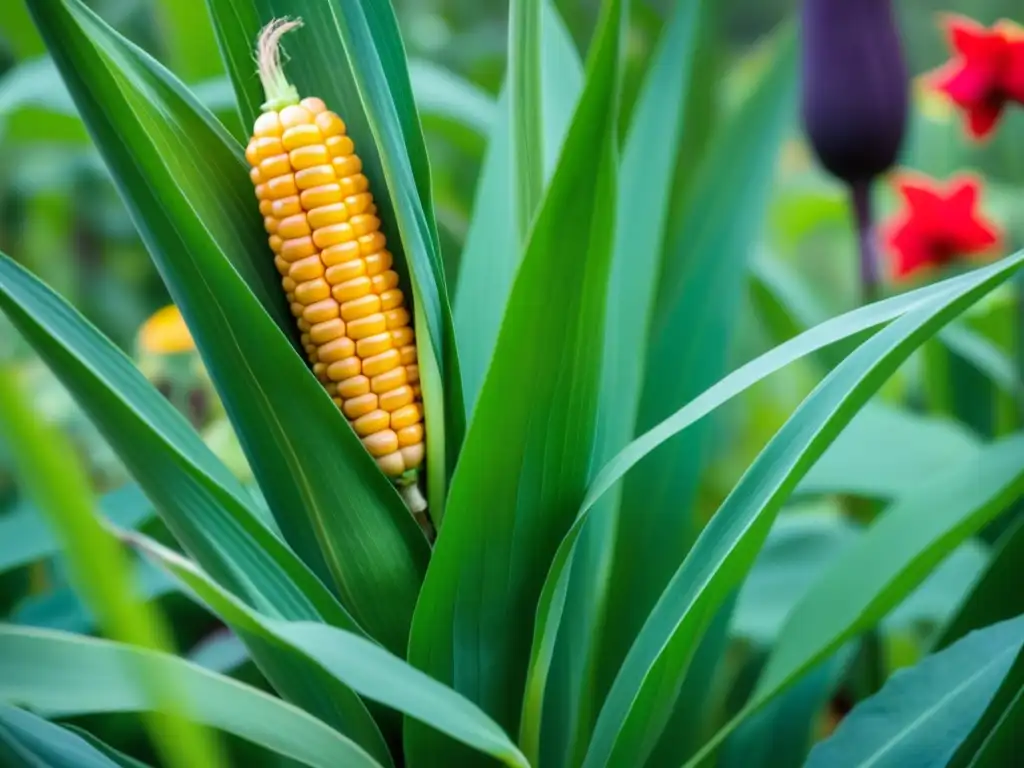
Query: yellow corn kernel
[[345, 271], [374, 421], [396, 318], [335, 269], [337, 349], [367, 326], [396, 398], [361, 307], [309, 156], [324, 237], [354, 387], [408, 354], [355, 407], [410, 435], [352, 289], [321, 333], [381, 443], [312, 291], [413, 455], [406, 415], [325, 215], [390, 299], [393, 379], [317, 176], [373, 345], [382, 363], [305, 269], [391, 464], [344, 369], [378, 262]]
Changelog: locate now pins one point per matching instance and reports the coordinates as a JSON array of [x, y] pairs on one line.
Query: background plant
[[764, 629]]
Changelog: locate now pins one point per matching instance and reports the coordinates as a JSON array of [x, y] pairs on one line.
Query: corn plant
[[494, 555]]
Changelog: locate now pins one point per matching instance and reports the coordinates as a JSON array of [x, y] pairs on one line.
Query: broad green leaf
[[222, 651], [25, 536], [17, 32], [991, 742], [886, 451], [197, 216], [486, 568], [895, 555], [782, 732], [838, 329], [28, 740], [119, 758], [53, 477], [367, 668], [63, 675], [923, 713], [353, 58], [995, 596], [492, 252], [933, 603], [663, 117], [209, 512], [689, 340], [636, 710], [526, 111], [798, 550]]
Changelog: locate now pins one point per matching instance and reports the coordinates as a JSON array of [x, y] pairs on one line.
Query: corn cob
[[335, 266]]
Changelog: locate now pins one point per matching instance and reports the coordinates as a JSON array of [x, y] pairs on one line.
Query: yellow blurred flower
[[165, 333]]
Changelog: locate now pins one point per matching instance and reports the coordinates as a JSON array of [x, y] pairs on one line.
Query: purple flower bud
[[855, 86]]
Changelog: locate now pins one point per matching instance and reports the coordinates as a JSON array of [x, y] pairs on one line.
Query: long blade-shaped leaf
[[640, 697], [29, 740], [64, 674], [202, 503], [485, 567], [369, 669], [186, 188], [923, 713], [55, 480], [690, 340], [526, 116], [493, 248], [992, 741], [662, 118], [352, 57]]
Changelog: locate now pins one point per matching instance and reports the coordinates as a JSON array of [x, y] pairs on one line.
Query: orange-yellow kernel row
[[336, 273]]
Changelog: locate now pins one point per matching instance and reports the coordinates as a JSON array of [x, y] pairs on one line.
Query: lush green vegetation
[[700, 497]]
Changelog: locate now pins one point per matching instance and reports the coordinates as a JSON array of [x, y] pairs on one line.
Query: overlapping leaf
[[528, 448], [185, 184]]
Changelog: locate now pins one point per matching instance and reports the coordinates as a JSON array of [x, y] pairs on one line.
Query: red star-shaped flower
[[986, 74], [937, 226]]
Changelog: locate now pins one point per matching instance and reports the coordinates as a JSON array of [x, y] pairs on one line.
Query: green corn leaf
[[25, 537], [994, 597], [664, 117], [352, 57], [119, 758], [209, 512], [17, 31], [369, 669], [442, 94], [886, 451], [28, 740], [192, 46], [98, 567], [526, 105], [203, 506], [638, 701], [888, 563], [65, 675], [186, 186], [492, 251], [923, 713], [689, 341], [838, 329], [484, 567], [991, 742]]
